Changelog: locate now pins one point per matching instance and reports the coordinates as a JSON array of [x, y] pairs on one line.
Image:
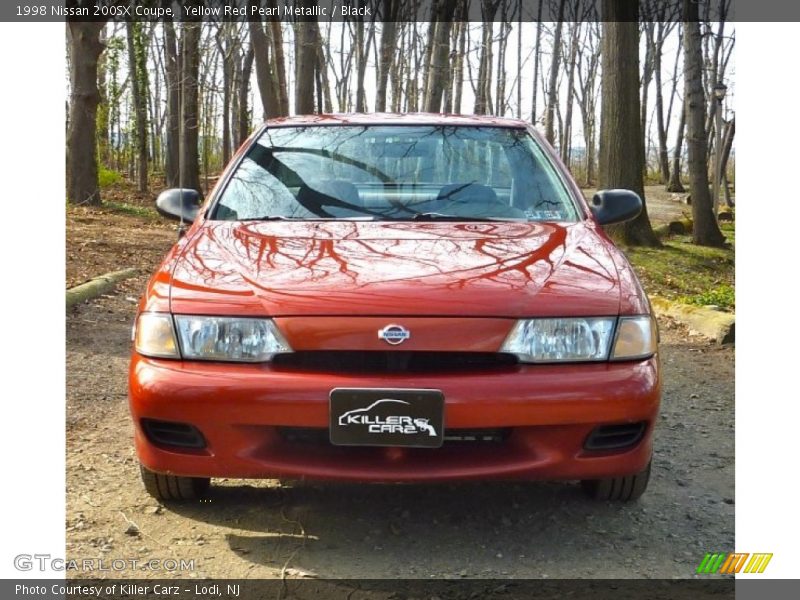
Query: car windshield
[[395, 172]]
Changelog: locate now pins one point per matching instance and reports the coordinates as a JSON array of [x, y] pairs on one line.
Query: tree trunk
[[566, 142], [502, 48], [429, 42], [713, 78], [675, 184], [102, 108], [362, 51], [706, 230], [190, 70], [244, 88], [270, 101], [172, 68], [225, 45], [137, 68], [588, 96], [536, 61], [483, 93], [85, 48], [663, 152], [279, 64], [396, 73], [458, 75], [647, 76], [304, 65], [439, 65], [727, 145], [387, 48], [621, 141], [325, 99], [552, 88]]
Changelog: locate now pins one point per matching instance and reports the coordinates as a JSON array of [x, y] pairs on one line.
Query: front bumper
[[551, 409]]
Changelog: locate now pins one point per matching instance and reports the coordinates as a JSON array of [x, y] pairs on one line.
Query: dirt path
[[256, 529], [259, 529]]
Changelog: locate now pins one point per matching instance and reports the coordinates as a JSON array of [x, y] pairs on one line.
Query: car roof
[[397, 119]]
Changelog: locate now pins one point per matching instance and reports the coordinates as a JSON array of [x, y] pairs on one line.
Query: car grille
[[343, 361], [319, 436]]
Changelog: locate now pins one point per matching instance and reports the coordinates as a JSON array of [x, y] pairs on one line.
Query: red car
[[395, 298]]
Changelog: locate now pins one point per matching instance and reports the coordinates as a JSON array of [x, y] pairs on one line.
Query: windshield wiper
[[268, 218], [315, 218], [435, 216]]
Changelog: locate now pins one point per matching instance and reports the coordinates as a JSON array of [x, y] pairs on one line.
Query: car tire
[[619, 489], [172, 487]]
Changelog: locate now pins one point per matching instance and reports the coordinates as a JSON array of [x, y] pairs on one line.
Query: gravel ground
[[260, 529]]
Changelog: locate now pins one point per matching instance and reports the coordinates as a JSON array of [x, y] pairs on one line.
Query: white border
[[768, 331], [32, 164]]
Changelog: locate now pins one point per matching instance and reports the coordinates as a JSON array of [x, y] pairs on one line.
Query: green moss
[[131, 209], [683, 271], [108, 177], [723, 296]]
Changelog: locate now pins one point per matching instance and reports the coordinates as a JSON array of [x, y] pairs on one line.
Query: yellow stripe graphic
[[758, 563]]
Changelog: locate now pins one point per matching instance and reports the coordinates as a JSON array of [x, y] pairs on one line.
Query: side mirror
[[179, 203], [615, 206]]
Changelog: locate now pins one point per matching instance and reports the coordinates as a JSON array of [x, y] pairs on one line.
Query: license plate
[[386, 417]]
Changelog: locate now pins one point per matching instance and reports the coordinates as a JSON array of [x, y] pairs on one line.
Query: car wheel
[[622, 489], [173, 487]]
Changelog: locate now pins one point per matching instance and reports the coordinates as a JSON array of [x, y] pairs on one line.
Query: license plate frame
[[399, 417]]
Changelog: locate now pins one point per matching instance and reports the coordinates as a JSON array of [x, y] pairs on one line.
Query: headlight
[[555, 340], [237, 339], [229, 338], [154, 336], [208, 338], [637, 337]]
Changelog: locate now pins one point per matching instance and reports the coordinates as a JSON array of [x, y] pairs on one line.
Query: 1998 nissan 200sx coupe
[[395, 298]]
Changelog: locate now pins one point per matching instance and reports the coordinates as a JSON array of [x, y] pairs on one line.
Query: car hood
[[319, 268]]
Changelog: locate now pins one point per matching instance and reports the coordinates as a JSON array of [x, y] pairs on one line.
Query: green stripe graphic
[[703, 563], [712, 562]]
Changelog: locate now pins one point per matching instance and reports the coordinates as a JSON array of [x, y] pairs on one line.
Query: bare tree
[[321, 50], [502, 46], [587, 93], [391, 10], [278, 68], [727, 145], [227, 46], [460, 54], [271, 84], [173, 75], [552, 88], [190, 71], [675, 184], [483, 93], [621, 140], [363, 41], [566, 138], [536, 60], [706, 231], [659, 23], [244, 89], [84, 50], [439, 63], [137, 65], [305, 63]]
